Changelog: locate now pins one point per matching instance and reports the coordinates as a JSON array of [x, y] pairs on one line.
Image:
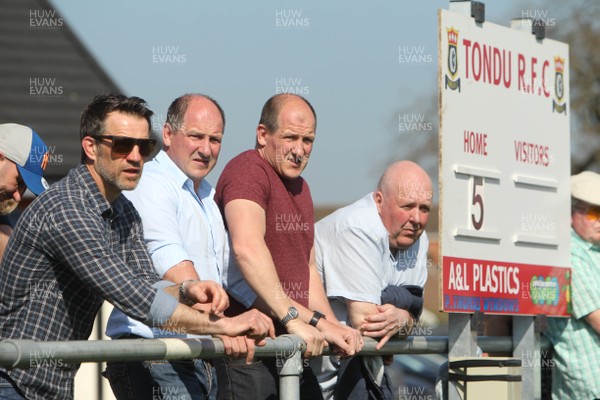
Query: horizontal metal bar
[[484, 362], [28, 353], [483, 378]]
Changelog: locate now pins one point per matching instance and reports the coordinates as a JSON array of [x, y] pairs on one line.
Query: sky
[[359, 63]]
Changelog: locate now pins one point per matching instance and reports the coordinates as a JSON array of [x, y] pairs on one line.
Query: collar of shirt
[[98, 201], [576, 239], [181, 179]]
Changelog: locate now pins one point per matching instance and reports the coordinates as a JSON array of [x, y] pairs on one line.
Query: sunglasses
[[591, 213], [124, 144]]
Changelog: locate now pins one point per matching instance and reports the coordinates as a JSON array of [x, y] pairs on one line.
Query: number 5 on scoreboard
[[476, 208]]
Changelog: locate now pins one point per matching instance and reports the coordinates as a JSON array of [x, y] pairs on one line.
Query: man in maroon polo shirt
[[268, 211]]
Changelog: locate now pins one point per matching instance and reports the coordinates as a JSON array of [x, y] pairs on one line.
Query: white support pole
[[462, 342], [289, 376], [290, 367], [526, 347], [462, 339]]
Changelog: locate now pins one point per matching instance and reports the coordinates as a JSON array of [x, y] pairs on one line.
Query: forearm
[[247, 228], [363, 315], [188, 320], [180, 272], [358, 311], [306, 314], [258, 269]]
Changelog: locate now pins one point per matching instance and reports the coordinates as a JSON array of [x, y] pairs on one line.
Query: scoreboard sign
[[504, 170]]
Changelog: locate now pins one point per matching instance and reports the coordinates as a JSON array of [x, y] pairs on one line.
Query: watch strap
[[315, 318]]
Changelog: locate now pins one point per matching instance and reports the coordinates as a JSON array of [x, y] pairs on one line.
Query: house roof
[[47, 77]]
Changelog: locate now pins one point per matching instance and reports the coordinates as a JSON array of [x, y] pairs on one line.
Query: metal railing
[[289, 348]]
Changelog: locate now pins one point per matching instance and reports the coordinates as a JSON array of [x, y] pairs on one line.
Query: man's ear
[[90, 147], [167, 134], [261, 135], [378, 198]]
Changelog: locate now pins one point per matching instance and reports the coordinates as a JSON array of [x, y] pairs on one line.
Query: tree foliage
[[579, 26]]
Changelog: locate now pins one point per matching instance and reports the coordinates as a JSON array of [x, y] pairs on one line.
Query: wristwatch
[[315, 318], [183, 296], [291, 314]]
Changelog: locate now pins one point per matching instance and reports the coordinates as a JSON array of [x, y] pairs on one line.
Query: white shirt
[[354, 259], [355, 262]]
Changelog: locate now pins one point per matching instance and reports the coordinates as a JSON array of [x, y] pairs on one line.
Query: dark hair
[[179, 106], [269, 116], [94, 114], [577, 204]]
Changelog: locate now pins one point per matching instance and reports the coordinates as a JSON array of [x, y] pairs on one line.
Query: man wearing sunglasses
[[81, 243], [23, 158], [185, 236], [576, 340]]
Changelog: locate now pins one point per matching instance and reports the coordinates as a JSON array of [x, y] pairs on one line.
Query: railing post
[[526, 346], [290, 367], [462, 342]]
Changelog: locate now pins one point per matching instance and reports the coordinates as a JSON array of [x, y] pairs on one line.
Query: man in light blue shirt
[[185, 236]]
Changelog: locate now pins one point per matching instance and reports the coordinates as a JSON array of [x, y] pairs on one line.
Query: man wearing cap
[[576, 340], [23, 158]]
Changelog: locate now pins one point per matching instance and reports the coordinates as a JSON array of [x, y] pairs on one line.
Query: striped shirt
[[70, 251], [576, 343]]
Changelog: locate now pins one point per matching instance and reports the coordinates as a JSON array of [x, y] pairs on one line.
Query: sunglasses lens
[[146, 147], [593, 214], [125, 146]]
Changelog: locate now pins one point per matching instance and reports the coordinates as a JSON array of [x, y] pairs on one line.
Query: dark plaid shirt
[[70, 250]]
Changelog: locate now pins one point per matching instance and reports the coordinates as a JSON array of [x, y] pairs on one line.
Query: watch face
[[291, 314]]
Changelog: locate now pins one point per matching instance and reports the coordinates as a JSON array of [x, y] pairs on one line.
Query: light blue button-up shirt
[[179, 224]]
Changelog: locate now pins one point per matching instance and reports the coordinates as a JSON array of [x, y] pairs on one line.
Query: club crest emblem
[[558, 104], [452, 81]]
